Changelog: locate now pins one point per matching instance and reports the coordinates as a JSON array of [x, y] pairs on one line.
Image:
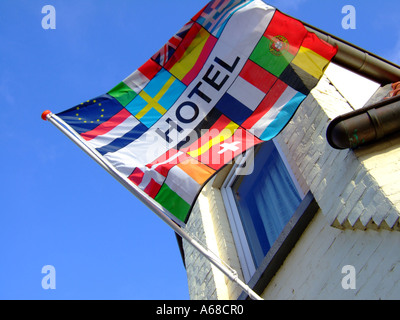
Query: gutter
[[371, 123]]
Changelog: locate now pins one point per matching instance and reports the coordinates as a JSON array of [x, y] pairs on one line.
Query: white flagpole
[[141, 195]]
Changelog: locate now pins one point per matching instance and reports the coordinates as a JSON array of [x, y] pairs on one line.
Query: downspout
[[365, 125], [371, 123]]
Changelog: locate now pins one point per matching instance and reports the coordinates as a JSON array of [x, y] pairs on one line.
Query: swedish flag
[[156, 98]]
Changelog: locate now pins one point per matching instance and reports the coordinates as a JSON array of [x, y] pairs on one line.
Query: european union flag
[[90, 114]]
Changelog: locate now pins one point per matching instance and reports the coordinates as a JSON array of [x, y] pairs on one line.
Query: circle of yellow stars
[[85, 121]]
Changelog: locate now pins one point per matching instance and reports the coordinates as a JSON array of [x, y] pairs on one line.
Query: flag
[[230, 79]]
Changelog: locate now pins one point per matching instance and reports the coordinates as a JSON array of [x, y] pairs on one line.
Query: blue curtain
[[266, 200]]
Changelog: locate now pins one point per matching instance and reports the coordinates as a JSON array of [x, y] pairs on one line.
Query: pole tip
[[45, 114]]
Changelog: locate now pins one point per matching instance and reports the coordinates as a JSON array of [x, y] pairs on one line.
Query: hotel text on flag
[[230, 79]]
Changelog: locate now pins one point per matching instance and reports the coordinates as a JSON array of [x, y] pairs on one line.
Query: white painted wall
[[358, 193]]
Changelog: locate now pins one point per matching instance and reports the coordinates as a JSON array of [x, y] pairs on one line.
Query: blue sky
[[58, 207]]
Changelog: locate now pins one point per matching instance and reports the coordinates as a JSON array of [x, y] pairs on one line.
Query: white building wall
[[358, 222], [313, 270], [358, 193], [353, 189], [209, 224]]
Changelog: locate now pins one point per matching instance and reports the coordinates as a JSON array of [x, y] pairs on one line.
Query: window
[[260, 202]]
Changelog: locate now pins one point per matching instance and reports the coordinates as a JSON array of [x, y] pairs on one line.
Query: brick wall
[[313, 270], [358, 193], [209, 224], [353, 189], [359, 198]]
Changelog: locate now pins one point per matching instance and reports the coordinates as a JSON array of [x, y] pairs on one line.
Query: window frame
[[288, 237]]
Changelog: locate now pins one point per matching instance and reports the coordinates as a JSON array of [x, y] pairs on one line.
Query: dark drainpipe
[[365, 125]]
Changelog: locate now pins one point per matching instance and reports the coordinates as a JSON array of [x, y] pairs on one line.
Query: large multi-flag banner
[[231, 78]]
